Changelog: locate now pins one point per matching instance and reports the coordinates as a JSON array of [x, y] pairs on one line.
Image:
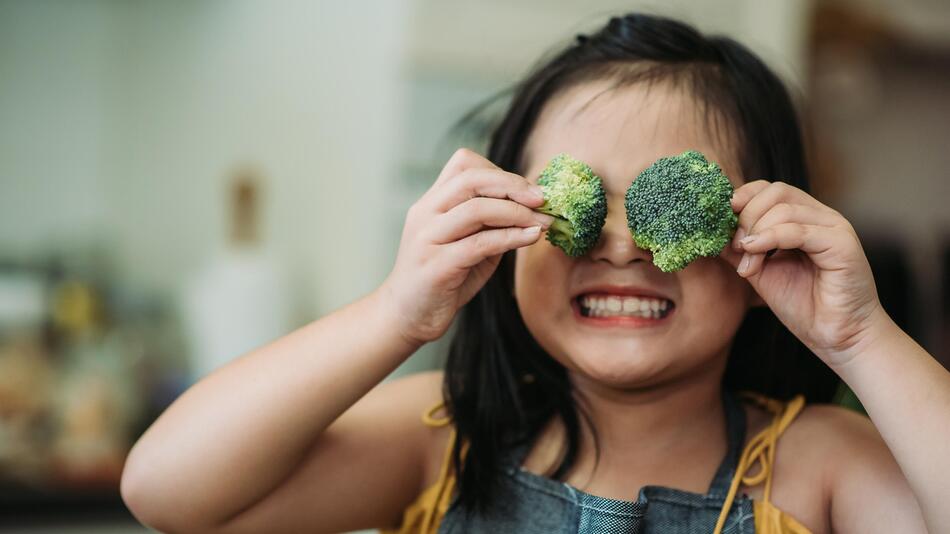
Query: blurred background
[[181, 182]]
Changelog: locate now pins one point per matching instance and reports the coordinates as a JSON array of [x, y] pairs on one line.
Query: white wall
[[306, 92], [121, 121], [54, 78]]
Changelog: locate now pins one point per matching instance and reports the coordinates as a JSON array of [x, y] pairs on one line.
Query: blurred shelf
[[35, 510]]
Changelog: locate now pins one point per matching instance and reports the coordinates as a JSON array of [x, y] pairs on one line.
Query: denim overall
[[532, 504]]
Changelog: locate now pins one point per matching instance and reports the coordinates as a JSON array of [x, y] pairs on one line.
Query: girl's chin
[[618, 369]]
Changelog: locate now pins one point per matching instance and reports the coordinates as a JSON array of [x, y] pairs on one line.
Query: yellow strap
[[446, 482], [445, 485], [761, 450], [771, 520], [424, 514], [428, 417]]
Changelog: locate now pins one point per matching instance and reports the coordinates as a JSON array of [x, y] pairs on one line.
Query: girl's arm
[[276, 440], [819, 284], [251, 438], [907, 395]]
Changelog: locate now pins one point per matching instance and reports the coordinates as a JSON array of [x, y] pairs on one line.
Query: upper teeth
[[632, 306]]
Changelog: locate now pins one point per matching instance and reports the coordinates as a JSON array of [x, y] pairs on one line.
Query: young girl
[[681, 418]]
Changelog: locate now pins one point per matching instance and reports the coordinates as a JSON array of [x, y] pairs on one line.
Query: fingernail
[[537, 191], [543, 218], [744, 264], [531, 231], [737, 240], [748, 239]]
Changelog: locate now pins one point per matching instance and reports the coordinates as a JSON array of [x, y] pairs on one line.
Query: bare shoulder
[[419, 390], [417, 394], [379, 450], [844, 445], [409, 398], [835, 434], [825, 438], [830, 463], [405, 399], [392, 413]]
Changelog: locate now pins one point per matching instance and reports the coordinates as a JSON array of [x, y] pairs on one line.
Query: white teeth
[[614, 304], [607, 306]]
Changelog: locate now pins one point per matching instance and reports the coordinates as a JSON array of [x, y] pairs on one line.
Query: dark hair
[[500, 386]]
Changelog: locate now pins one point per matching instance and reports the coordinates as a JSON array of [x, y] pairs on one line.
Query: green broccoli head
[[575, 196], [679, 209]]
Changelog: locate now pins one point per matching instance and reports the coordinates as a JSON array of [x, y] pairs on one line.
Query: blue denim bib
[[528, 503]]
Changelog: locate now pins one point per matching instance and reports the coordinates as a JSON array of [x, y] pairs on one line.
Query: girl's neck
[[668, 434], [658, 414]]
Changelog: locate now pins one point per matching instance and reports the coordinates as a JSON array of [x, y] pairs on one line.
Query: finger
[[740, 198], [768, 196], [731, 256], [750, 264], [474, 214], [462, 160], [810, 239], [492, 183], [784, 212], [472, 250], [745, 192]]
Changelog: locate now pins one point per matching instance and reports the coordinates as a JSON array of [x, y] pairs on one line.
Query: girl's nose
[[615, 244]]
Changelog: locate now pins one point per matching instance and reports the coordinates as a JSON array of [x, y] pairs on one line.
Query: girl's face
[[619, 133]]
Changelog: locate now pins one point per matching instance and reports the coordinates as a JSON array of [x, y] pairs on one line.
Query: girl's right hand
[[453, 239]]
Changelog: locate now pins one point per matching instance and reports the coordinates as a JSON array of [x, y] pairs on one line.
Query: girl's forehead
[[620, 131]]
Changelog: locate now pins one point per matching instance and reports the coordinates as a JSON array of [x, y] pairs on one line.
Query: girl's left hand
[[818, 281]]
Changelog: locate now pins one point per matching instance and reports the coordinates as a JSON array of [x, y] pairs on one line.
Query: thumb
[[733, 257]]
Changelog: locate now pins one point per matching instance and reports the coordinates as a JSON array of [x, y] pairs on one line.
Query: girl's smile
[[621, 306]]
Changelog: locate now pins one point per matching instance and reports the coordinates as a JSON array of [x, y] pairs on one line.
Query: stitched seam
[[531, 484], [707, 503], [573, 500], [613, 512]]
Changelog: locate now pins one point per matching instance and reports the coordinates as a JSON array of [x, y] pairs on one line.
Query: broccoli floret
[[679, 209], [575, 196]]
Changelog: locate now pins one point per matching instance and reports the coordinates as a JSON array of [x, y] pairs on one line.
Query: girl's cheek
[[713, 284], [541, 272]]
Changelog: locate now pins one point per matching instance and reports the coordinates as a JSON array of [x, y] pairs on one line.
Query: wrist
[[389, 319], [875, 337]]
